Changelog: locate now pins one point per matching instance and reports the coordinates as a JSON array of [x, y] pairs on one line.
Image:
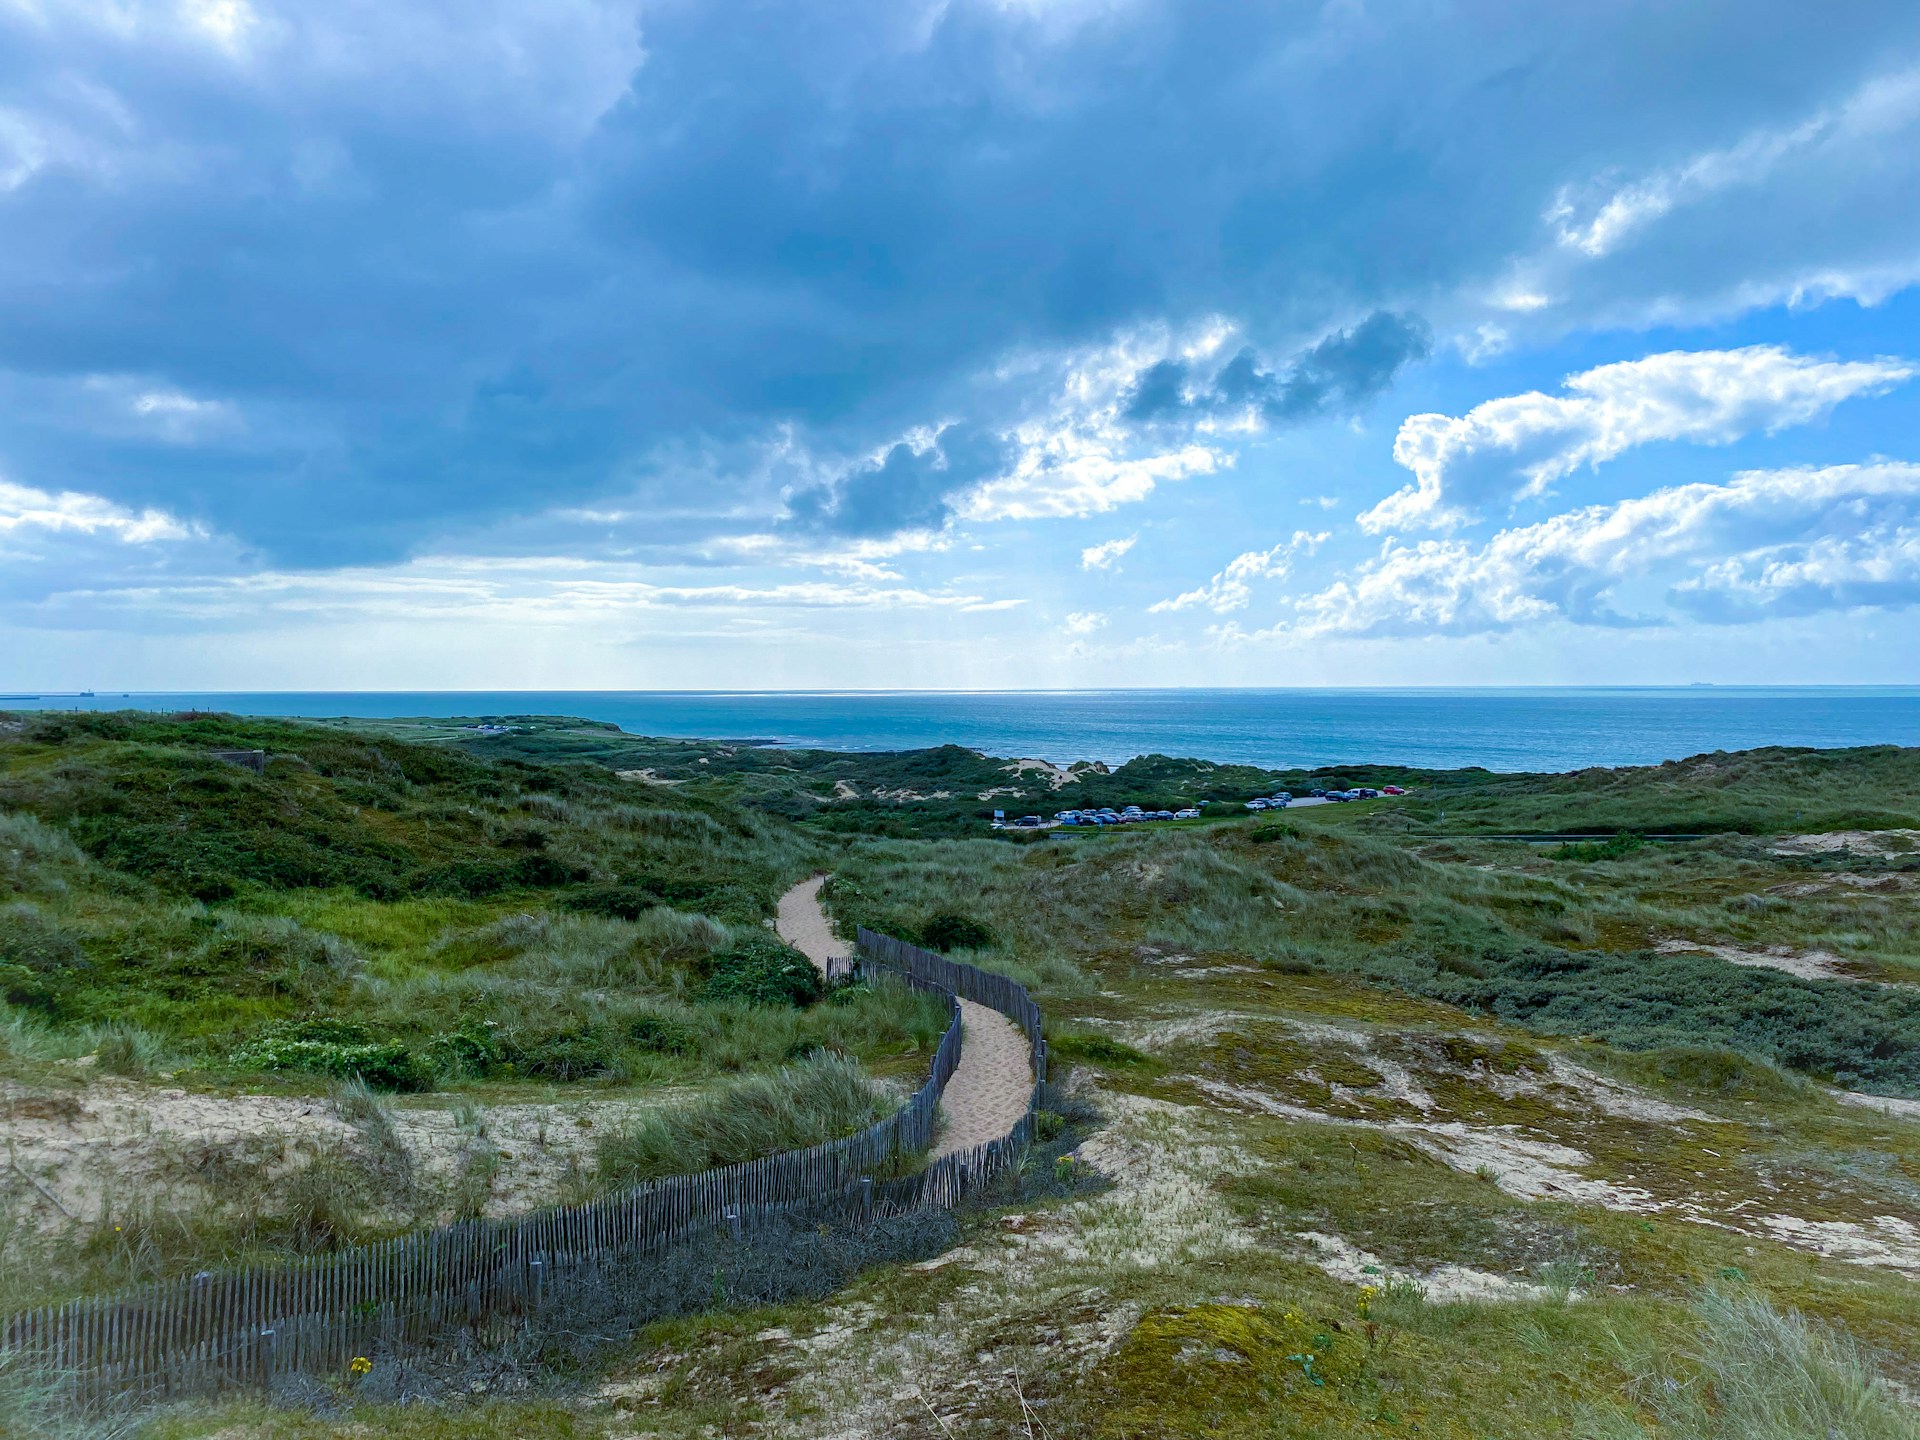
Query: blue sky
[[1031, 343]]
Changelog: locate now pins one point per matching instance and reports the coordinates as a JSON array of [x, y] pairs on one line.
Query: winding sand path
[[990, 1086]]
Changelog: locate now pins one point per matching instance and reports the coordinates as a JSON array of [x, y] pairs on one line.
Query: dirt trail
[[991, 1085]]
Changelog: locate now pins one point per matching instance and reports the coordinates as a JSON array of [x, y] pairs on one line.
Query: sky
[[979, 344]]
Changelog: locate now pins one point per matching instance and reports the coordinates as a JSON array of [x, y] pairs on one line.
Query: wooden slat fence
[[226, 1329]]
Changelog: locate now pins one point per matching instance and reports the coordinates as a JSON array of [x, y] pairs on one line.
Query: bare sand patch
[[1057, 775], [1807, 964], [77, 1155], [1861, 842], [645, 777], [1888, 1241], [1037, 1293], [1445, 1285], [1886, 1104]]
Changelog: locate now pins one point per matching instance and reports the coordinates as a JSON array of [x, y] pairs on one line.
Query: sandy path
[[991, 1085], [803, 924]]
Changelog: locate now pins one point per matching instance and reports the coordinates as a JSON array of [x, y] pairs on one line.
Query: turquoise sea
[[1547, 729]]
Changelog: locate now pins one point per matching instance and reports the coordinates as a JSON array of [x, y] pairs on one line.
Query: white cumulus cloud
[[1765, 543], [1232, 588], [1085, 622], [1107, 553], [1518, 445]]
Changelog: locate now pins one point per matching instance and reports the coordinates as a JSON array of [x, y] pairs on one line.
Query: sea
[[1504, 729]]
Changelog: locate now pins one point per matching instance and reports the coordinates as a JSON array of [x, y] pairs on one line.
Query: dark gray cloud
[[440, 273], [1339, 374], [905, 489]]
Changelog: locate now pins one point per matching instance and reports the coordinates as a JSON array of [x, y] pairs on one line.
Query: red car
[[1391, 790]]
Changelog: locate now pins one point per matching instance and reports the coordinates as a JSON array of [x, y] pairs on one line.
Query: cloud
[[24, 509], [1516, 446], [1107, 554], [1339, 373], [458, 267], [1780, 211], [1766, 543], [1085, 622], [527, 590], [1068, 475], [1232, 588], [908, 488]]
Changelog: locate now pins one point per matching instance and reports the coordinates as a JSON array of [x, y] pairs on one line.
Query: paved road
[[988, 1091]]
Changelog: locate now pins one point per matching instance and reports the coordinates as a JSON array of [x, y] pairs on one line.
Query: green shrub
[[759, 970], [946, 930], [1621, 845], [39, 961], [339, 1048], [613, 902], [474, 1049], [1863, 1035], [1100, 1049], [572, 1052], [659, 1034]]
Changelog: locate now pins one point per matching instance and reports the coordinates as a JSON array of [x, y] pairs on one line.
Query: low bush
[[1860, 1035], [39, 961], [759, 970], [1586, 851], [572, 1052], [1100, 1049], [946, 930], [660, 1034], [339, 1048]]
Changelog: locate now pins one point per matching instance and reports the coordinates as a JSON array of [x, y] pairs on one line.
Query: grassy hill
[[1385, 1122]]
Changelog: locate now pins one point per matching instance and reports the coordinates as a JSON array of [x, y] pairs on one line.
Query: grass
[[1531, 943], [1398, 921], [399, 912], [1754, 1372], [816, 1099]]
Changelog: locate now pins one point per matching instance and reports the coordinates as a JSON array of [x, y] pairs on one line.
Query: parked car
[[1186, 814], [1256, 804], [1339, 796], [1279, 802], [1391, 790], [1163, 814], [1029, 822], [1283, 795], [1320, 794]]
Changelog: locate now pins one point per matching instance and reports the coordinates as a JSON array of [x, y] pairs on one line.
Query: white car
[[1256, 804]]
